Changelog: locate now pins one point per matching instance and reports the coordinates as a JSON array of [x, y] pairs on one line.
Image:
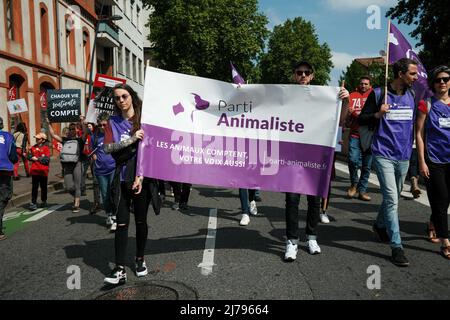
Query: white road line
[[44, 213], [374, 180], [210, 244]]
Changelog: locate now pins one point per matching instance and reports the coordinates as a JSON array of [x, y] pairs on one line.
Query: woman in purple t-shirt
[[122, 137], [433, 146]]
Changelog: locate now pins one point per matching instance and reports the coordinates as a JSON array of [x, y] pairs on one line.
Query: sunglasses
[[445, 79], [301, 73], [124, 97]]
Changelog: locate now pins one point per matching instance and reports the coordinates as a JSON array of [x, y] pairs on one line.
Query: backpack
[[69, 152], [366, 132]]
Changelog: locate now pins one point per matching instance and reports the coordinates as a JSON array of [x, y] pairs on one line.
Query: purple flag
[[399, 48], [237, 79]]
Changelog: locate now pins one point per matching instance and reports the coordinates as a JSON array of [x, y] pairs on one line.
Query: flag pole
[[387, 63]]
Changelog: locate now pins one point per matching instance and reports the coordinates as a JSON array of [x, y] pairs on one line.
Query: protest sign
[[102, 99], [272, 137], [64, 105], [17, 106]]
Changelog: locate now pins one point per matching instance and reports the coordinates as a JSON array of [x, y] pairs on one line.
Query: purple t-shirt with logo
[[105, 164], [395, 134], [437, 132]]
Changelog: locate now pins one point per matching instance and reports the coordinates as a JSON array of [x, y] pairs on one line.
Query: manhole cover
[[154, 290]]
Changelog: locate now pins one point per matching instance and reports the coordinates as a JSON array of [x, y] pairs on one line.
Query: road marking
[[12, 215], [18, 214], [374, 180], [44, 213], [210, 244]]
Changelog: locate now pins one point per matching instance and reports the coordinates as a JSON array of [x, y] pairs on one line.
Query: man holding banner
[[392, 116], [303, 75]]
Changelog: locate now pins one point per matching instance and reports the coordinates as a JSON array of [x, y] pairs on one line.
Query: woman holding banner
[[433, 146], [122, 137]]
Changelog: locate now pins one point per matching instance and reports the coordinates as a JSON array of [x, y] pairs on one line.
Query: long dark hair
[[21, 127], [137, 105]]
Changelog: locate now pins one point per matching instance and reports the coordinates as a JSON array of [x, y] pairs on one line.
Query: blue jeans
[[359, 159], [391, 175], [105, 183], [246, 196]]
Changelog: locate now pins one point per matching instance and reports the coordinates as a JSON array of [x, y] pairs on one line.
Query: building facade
[[129, 55], [47, 44]]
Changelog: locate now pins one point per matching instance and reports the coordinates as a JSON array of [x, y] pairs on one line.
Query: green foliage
[[289, 43], [356, 70], [201, 37], [432, 19]]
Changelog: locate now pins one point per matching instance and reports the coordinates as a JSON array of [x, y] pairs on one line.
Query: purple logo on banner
[[178, 108], [400, 48], [200, 104]]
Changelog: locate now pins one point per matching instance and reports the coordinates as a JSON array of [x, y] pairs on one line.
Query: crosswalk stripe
[[210, 244], [44, 213]]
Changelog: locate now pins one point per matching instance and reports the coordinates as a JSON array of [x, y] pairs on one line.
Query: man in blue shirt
[[392, 123], [8, 157]]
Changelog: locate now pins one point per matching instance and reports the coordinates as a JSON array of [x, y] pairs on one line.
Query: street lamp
[[112, 18]]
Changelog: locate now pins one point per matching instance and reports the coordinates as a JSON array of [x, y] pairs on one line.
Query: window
[[120, 59], [127, 62], [138, 19], [70, 40], [134, 66], [13, 17], [44, 29], [87, 49], [140, 71], [9, 19], [132, 11], [125, 7]]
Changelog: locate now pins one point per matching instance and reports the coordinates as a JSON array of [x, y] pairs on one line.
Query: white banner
[[276, 137]]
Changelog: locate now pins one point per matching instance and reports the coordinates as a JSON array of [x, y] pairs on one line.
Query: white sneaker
[[117, 276], [245, 220], [113, 227], [324, 218], [291, 250], [109, 221], [141, 268], [313, 247], [253, 208]]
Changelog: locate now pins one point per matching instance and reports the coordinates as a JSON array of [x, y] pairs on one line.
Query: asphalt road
[[205, 250]]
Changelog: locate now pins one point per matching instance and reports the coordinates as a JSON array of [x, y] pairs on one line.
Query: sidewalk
[[22, 187]]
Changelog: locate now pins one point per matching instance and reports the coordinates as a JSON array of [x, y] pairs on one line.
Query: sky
[[340, 23]]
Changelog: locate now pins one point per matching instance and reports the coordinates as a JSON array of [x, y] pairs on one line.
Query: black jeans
[[37, 181], [140, 202], [312, 216], [438, 189], [6, 191], [181, 191]]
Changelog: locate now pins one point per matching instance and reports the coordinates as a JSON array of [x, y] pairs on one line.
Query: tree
[[201, 37], [433, 24], [356, 70], [291, 42]]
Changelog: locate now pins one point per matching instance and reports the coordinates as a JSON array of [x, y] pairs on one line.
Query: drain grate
[[149, 290]]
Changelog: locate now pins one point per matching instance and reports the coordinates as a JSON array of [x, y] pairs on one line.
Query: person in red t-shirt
[[39, 155], [357, 158]]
